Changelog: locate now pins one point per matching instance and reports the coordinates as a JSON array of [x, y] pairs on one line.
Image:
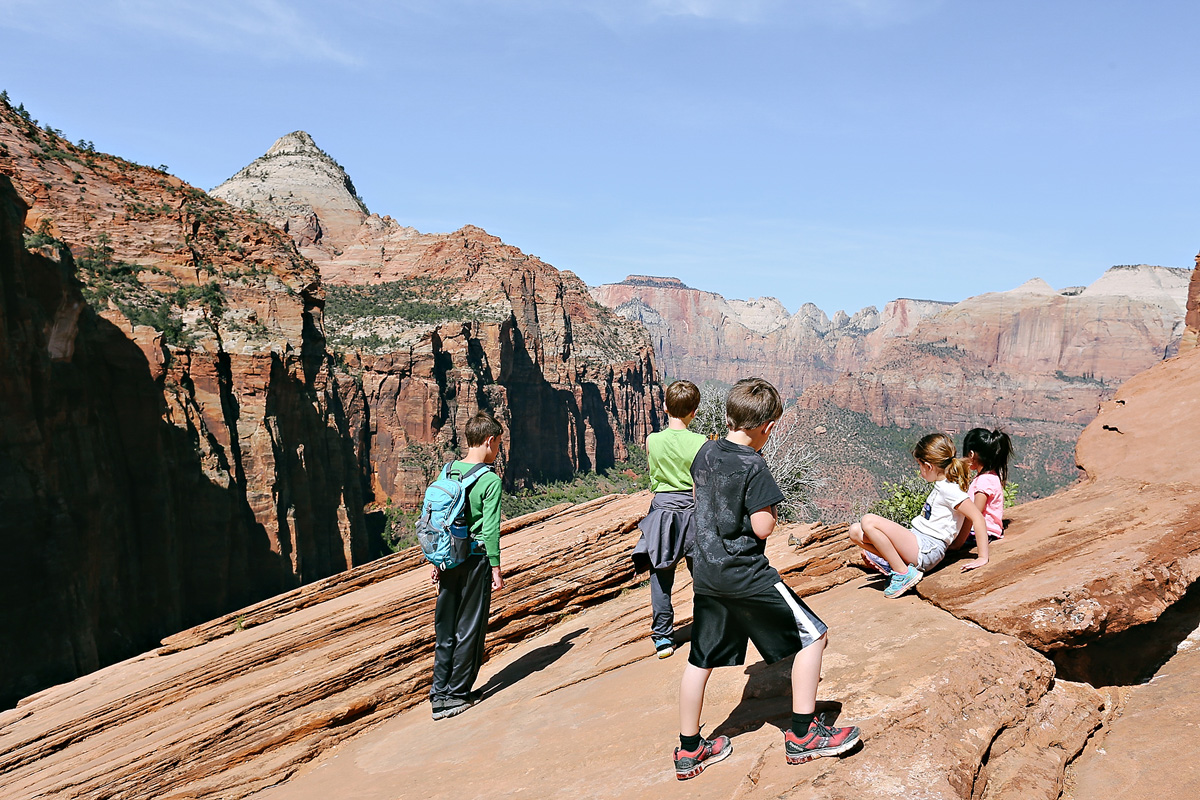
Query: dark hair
[[750, 403], [938, 449], [480, 427], [992, 448], [683, 398]]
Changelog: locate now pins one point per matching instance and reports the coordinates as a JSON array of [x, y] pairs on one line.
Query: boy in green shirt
[[465, 591], [667, 529]]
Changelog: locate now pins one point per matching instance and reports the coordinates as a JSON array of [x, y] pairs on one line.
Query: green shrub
[[416, 300], [581, 488], [902, 501], [905, 500], [399, 531]]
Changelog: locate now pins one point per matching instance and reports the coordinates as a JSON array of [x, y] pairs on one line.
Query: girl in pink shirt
[[987, 452]]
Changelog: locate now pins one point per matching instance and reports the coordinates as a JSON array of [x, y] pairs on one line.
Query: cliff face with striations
[[175, 439], [440, 325], [703, 336]]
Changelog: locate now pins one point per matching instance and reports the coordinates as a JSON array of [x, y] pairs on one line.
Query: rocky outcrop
[[1129, 760], [1053, 582], [504, 331], [702, 336], [1191, 336], [175, 438]]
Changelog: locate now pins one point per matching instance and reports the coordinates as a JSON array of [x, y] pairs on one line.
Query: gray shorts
[[933, 550]]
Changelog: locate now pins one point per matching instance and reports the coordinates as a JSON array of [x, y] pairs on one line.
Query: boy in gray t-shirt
[[739, 595]]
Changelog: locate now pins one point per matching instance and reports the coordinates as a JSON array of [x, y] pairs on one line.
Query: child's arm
[[964, 530], [968, 509], [490, 535], [763, 522]]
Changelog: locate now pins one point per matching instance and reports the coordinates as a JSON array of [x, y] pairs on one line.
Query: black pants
[[460, 624]]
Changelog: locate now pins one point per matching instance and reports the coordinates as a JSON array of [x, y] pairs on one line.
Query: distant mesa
[[654, 281]]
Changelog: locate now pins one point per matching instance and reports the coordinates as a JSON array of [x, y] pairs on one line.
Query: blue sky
[[841, 152]]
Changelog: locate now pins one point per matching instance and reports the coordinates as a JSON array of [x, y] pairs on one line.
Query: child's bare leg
[[892, 541], [691, 699], [806, 674], [859, 538]]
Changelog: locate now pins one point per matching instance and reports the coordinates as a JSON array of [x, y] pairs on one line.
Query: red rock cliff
[[163, 472]]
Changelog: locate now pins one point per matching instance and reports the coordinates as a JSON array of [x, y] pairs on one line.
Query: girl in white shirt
[[911, 552]]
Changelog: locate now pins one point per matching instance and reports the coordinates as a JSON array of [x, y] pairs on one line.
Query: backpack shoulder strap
[[473, 474]]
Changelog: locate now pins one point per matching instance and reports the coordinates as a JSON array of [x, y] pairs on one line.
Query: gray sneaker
[[457, 705]]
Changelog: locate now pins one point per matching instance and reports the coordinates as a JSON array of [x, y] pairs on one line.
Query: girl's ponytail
[[993, 448], [1004, 451], [958, 471], [938, 449]]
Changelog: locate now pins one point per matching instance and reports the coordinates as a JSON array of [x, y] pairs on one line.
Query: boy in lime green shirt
[[667, 529]]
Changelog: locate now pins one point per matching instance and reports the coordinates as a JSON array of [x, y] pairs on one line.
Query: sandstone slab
[[242, 708], [587, 710]]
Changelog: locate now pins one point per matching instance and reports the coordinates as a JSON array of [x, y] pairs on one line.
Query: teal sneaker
[[903, 581]]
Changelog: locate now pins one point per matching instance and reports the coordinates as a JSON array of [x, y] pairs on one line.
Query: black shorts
[[776, 620]]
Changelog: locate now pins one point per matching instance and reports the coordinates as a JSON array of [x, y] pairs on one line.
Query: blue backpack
[[442, 530]]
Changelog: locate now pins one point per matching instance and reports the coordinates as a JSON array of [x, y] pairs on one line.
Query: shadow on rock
[[767, 698], [533, 661]]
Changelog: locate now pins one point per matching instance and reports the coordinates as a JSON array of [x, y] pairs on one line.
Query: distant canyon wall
[[1033, 359], [1191, 336], [572, 382], [702, 336]]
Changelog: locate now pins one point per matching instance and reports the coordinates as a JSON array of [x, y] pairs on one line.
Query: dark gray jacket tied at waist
[[667, 533]]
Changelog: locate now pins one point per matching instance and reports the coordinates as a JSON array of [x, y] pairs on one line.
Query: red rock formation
[[573, 382], [155, 484]]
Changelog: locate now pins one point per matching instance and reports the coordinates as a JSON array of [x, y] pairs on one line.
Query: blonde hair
[[937, 449]]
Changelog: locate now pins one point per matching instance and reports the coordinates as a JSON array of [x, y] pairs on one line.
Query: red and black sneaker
[[820, 741], [691, 764]]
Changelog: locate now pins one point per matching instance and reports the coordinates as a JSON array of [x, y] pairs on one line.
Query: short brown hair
[[683, 398], [480, 427], [750, 403]]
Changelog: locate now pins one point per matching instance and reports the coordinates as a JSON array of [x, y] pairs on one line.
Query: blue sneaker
[[663, 645], [903, 581]]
